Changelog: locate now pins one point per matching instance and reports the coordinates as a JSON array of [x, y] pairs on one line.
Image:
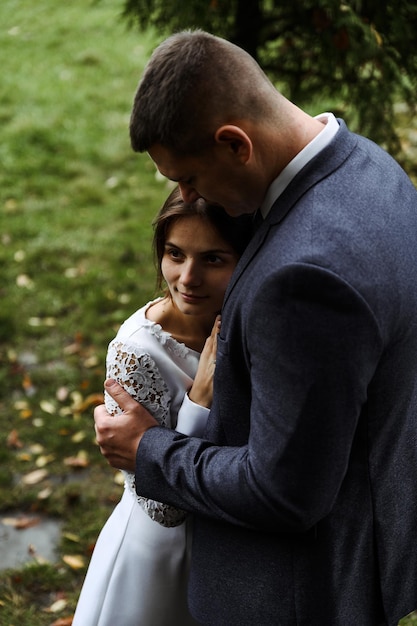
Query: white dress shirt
[[330, 128]]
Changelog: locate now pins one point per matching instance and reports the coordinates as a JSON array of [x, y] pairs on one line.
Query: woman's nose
[[190, 276], [189, 194]]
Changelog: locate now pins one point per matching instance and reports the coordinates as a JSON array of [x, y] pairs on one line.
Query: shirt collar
[[320, 141]]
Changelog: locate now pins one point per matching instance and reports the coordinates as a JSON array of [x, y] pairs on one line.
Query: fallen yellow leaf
[[71, 537], [119, 478], [75, 561], [57, 606], [24, 456], [91, 361], [21, 405], [35, 477], [78, 436], [44, 459], [45, 493], [47, 406]]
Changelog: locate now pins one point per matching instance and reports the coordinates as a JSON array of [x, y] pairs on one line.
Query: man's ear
[[236, 140]]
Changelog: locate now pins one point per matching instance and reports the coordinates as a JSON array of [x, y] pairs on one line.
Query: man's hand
[[119, 436]]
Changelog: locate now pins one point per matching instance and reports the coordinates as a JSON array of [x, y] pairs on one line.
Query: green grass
[[75, 229], [76, 206]]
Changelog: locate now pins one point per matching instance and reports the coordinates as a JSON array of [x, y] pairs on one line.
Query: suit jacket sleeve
[[311, 345]]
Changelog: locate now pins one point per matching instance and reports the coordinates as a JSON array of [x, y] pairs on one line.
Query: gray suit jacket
[[305, 488]]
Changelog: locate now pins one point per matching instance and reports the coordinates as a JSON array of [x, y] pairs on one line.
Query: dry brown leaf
[[63, 621], [27, 383], [81, 460], [72, 348], [35, 477], [91, 361], [13, 440], [92, 400], [75, 561], [21, 522], [76, 346], [62, 394]]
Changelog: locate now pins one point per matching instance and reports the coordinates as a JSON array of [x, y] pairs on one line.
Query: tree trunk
[[247, 26]]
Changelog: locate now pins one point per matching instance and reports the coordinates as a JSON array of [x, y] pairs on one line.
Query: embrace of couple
[[271, 480]]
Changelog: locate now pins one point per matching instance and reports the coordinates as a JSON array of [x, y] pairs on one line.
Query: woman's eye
[[213, 258], [174, 254]]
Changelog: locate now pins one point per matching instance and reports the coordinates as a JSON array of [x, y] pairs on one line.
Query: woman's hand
[[202, 390]]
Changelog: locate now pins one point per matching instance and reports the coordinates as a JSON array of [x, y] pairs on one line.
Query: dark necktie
[[256, 221]]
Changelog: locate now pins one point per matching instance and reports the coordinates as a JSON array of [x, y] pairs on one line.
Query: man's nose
[[188, 193]]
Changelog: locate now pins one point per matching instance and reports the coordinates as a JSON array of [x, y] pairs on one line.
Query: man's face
[[215, 176]]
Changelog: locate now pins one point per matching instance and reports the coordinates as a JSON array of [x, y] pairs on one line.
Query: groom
[[304, 488]]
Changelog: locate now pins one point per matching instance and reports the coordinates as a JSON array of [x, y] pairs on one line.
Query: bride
[[164, 355]]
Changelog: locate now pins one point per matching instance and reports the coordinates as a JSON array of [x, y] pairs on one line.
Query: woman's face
[[197, 265]]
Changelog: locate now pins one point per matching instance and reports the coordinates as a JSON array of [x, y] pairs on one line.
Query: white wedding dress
[[138, 573]]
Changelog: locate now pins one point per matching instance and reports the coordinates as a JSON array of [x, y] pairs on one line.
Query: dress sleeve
[[137, 372], [135, 369]]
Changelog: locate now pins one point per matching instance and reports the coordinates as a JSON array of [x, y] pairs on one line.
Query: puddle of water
[[20, 546]]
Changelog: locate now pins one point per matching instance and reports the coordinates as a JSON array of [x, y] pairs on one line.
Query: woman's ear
[[236, 140]]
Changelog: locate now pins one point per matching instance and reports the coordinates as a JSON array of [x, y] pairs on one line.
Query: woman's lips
[[188, 297]]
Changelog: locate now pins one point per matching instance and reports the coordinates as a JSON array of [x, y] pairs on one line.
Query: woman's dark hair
[[235, 231]]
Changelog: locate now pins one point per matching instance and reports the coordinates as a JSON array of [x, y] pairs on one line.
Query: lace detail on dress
[[166, 339], [138, 373]]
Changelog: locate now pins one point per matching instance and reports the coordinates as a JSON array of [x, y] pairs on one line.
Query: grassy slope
[[75, 211]]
